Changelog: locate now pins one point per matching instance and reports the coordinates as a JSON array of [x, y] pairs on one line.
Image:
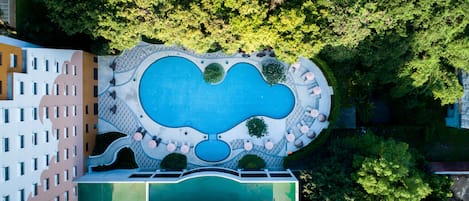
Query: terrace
[[295, 111]]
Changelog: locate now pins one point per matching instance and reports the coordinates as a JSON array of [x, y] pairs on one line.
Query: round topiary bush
[[251, 162], [213, 73], [274, 72], [174, 161], [257, 127]]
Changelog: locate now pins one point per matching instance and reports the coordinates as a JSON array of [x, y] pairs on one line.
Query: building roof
[[15, 42]]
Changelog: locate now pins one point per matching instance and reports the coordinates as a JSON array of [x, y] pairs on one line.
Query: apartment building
[[48, 117]]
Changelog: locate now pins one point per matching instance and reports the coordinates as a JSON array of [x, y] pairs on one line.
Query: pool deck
[[129, 114]]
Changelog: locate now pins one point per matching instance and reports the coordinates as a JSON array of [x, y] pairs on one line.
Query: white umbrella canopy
[[171, 147]]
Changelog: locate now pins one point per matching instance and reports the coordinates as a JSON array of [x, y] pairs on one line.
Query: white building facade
[[42, 116]]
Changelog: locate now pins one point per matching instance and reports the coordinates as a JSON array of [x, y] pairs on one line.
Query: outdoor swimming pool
[[210, 188], [173, 93]]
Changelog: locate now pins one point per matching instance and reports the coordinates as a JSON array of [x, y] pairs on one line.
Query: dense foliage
[[104, 140], [412, 47], [174, 161], [274, 72], [251, 162], [213, 73], [257, 127], [371, 168]]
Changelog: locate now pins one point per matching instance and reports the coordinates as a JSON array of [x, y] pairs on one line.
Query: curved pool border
[[229, 68]]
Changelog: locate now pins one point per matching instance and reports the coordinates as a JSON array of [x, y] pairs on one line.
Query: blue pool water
[[212, 150], [173, 93]]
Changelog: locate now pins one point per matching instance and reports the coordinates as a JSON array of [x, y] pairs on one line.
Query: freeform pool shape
[[173, 93]]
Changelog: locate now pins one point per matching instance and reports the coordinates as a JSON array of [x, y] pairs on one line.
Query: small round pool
[[212, 150], [173, 93]]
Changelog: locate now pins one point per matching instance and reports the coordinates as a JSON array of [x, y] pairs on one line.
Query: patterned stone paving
[[127, 122]]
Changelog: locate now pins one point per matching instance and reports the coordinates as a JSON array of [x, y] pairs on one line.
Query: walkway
[[120, 111]]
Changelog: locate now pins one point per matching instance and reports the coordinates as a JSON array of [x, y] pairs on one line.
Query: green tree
[[251, 162], [213, 73], [369, 167], [257, 127], [174, 161], [274, 72]]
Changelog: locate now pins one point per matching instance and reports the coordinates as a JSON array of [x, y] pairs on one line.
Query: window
[[21, 141], [95, 108], [21, 195], [66, 175], [66, 195], [46, 158], [57, 198], [74, 110], [65, 111], [6, 144], [74, 130], [6, 173], [74, 90], [47, 65], [74, 70], [57, 133], [34, 189], [57, 179], [46, 112], [21, 88], [66, 69], [56, 67], [57, 89], [66, 132], [66, 90], [74, 150], [34, 162], [35, 88], [57, 157], [46, 184], [95, 91], [1, 58], [6, 119], [35, 113], [66, 154], [86, 128], [21, 168], [95, 74], [56, 111], [0, 87], [35, 63], [46, 133], [13, 60], [86, 147], [6, 198], [74, 171], [47, 89], [21, 114], [34, 138], [86, 109]]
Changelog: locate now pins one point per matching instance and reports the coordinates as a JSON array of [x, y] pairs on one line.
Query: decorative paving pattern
[[124, 119]]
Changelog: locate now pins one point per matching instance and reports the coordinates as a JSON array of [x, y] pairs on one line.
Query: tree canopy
[[417, 46], [371, 168]]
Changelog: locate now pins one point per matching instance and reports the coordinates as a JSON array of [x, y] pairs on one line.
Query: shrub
[[251, 162], [213, 73], [174, 161], [257, 127], [274, 72]]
